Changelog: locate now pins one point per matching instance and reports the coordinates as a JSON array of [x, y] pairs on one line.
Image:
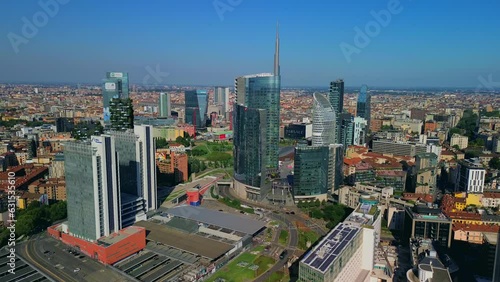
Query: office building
[[346, 129], [164, 107], [360, 129], [336, 98], [314, 172], [324, 121], [298, 131], [347, 252], [408, 125], [256, 124], [121, 114], [470, 176], [221, 98], [196, 107], [426, 169], [461, 141], [418, 114], [398, 148], [427, 222], [65, 124], [115, 86], [92, 187], [363, 108]]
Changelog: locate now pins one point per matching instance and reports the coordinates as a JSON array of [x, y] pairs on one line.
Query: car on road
[[283, 254], [76, 269]]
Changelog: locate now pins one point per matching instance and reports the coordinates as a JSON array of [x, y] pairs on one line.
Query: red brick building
[[109, 249]]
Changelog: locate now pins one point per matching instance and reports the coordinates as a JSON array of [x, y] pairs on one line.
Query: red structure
[[193, 196], [109, 249]]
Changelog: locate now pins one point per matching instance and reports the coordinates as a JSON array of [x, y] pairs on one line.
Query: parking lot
[[67, 264]]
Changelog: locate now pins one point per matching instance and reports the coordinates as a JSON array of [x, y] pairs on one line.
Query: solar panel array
[[330, 247]]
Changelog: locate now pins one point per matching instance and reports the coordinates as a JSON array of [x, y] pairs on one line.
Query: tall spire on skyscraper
[[277, 52]]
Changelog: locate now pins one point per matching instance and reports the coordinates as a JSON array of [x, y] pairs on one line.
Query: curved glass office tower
[[323, 121]]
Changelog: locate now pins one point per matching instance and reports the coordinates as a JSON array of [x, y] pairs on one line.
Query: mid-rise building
[[461, 141], [427, 222], [360, 130], [398, 148], [316, 171], [347, 252], [164, 106], [115, 86], [470, 176], [65, 124], [196, 107], [298, 131]]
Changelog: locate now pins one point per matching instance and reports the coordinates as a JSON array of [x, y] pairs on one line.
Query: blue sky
[[428, 43]]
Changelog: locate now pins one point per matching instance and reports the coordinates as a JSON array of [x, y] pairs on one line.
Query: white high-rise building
[[92, 186], [147, 151], [323, 121], [221, 98], [360, 129], [470, 176]]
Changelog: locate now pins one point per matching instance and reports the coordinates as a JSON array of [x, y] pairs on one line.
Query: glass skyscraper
[[256, 124], [363, 105], [317, 171], [115, 86], [347, 129], [164, 105], [336, 98], [310, 172], [196, 106], [324, 120]]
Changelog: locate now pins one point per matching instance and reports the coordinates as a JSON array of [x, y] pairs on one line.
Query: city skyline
[[314, 52]]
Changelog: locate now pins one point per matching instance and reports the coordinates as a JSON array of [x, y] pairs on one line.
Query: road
[[293, 232], [29, 252]]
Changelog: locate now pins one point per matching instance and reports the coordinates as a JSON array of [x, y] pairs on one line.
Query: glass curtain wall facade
[[249, 144], [311, 171], [336, 98], [363, 108], [324, 121], [196, 106], [164, 105]]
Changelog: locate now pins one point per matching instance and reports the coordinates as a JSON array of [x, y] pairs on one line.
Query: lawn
[[283, 239], [277, 277], [259, 248], [234, 273], [305, 236]]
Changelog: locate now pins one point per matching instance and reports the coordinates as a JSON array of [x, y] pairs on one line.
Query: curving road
[[293, 232], [29, 252]]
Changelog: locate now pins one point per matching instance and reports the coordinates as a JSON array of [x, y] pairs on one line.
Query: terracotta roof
[[494, 195], [476, 227], [352, 161]]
